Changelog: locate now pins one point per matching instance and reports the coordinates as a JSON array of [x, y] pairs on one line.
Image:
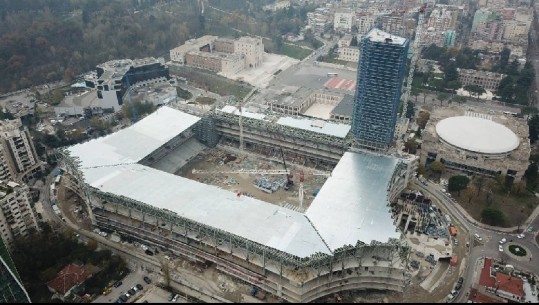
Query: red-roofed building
[[509, 287], [501, 284], [69, 277], [478, 297]]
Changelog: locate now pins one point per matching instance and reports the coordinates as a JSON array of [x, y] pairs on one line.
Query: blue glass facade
[[381, 70], [11, 289]]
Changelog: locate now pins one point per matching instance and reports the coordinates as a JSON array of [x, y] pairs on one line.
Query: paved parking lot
[[158, 295], [129, 281]]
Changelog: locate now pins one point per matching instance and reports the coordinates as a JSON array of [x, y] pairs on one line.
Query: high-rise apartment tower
[[382, 65]]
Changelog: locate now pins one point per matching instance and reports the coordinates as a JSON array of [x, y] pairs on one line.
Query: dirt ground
[[218, 160], [516, 208], [72, 207]]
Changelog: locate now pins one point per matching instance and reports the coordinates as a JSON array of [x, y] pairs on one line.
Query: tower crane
[[417, 53]]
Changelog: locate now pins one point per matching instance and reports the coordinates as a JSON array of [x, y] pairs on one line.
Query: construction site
[[283, 202], [339, 235]]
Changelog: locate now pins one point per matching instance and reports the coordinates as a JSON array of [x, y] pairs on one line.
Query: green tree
[[493, 217], [475, 89], [504, 58], [442, 97], [457, 183], [533, 125], [353, 42], [531, 176]]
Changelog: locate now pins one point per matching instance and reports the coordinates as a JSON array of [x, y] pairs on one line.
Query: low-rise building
[[343, 20], [252, 48], [476, 143], [484, 79], [67, 279], [349, 54], [204, 43]]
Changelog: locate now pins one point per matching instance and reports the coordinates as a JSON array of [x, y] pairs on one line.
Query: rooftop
[[125, 146], [377, 35], [351, 206], [319, 126], [477, 134], [70, 276], [345, 107], [510, 284]]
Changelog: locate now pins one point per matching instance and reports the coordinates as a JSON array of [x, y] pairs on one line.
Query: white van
[[477, 237]]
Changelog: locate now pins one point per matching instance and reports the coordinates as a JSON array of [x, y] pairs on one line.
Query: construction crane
[[241, 128], [417, 53], [289, 181]]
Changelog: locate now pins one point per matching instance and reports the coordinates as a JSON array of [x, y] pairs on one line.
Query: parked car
[[147, 280], [458, 286], [175, 298], [500, 248], [503, 241], [521, 235], [461, 280], [139, 286], [123, 298], [171, 296], [131, 291], [118, 284]]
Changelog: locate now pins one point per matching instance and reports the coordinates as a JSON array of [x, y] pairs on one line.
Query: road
[[489, 246], [533, 56]]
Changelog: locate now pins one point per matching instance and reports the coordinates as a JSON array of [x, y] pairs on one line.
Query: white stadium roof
[[477, 135], [350, 206], [319, 126], [132, 144]]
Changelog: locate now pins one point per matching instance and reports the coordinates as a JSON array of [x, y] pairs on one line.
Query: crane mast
[[417, 52]]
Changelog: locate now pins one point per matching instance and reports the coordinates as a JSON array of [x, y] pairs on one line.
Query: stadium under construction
[[346, 239]]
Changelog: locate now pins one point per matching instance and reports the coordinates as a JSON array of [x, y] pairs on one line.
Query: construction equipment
[[417, 53], [289, 181]]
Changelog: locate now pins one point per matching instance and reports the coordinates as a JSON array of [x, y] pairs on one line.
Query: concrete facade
[[349, 54], [17, 218], [18, 158], [343, 20], [177, 55], [252, 48], [486, 80]]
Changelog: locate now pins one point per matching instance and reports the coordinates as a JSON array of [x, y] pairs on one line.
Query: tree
[[353, 42], [442, 97], [531, 176], [422, 119], [415, 92], [437, 167], [504, 58], [457, 183], [533, 125], [475, 89], [470, 192], [493, 216]]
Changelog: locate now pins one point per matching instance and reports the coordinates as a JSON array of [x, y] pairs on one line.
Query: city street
[[489, 245]]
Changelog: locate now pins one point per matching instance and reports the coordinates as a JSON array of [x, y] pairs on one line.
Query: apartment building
[[365, 23], [486, 80], [17, 219], [392, 24], [343, 20], [18, 158]]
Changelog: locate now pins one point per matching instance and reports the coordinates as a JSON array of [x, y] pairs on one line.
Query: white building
[[349, 54], [18, 158], [365, 24], [17, 219], [177, 55], [279, 5], [252, 48], [343, 20]]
